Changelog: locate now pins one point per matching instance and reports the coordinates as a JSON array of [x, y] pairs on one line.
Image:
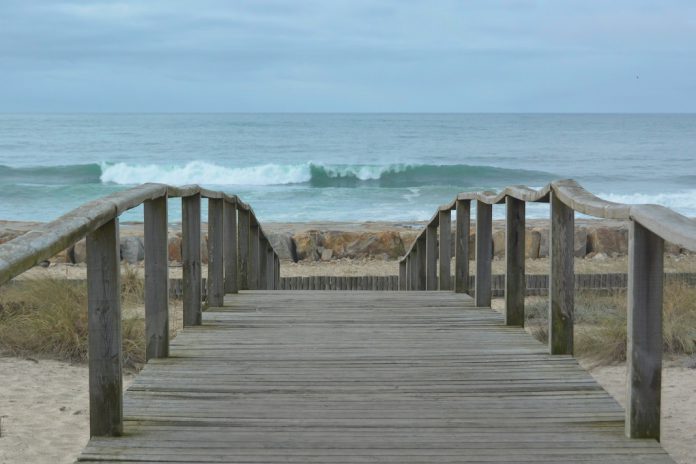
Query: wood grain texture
[[156, 279], [445, 249], [254, 267], [644, 355], [216, 240], [515, 285], [431, 255], [403, 282], [561, 277], [461, 246], [243, 254], [484, 253], [191, 259], [362, 377], [230, 248], [422, 266], [104, 321]]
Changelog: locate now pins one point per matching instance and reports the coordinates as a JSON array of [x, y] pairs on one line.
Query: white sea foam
[[684, 200]]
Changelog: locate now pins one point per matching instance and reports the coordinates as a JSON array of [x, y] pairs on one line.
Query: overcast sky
[[353, 55]]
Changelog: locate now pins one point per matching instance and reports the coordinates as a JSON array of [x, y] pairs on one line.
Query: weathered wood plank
[[230, 248], [243, 245], [461, 247], [484, 253], [561, 277], [431, 254], [445, 249], [254, 265], [216, 239], [156, 279], [515, 287], [191, 259]]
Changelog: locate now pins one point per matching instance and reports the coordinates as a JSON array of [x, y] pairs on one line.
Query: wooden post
[[445, 240], [431, 257], [216, 238], [461, 247], [263, 264], [156, 279], [515, 286], [402, 275], [270, 266], [561, 277], [484, 225], [243, 225], [230, 248], [254, 247], [422, 265], [191, 258], [644, 355], [276, 273], [104, 322]]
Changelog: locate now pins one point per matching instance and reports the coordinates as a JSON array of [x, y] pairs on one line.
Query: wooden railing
[[240, 256], [650, 226]]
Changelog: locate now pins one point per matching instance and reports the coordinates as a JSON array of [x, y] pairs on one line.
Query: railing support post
[[191, 257], [644, 355], [263, 264], [276, 281], [104, 321], [243, 226], [431, 257], [515, 286], [216, 238], [230, 247], [561, 278], [402, 275], [421, 266], [445, 240], [484, 225], [270, 266], [254, 246], [461, 246], [156, 279]]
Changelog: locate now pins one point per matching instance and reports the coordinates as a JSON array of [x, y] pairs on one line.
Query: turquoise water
[[344, 167]]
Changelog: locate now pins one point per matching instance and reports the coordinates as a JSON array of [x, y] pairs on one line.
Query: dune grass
[[600, 323], [48, 318]]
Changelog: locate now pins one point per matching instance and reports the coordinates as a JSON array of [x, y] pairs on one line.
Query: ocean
[[342, 167]]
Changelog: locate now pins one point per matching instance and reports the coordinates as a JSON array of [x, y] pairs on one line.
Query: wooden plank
[[444, 241], [230, 248], [561, 277], [644, 355], [191, 259], [216, 238], [156, 279], [421, 264], [263, 264], [104, 321], [243, 247], [431, 254], [484, 253], [461, 247], [515, 288], [254, 268]]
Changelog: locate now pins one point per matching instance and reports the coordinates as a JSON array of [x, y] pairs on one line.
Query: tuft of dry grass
[[48, 317], [600, 323]]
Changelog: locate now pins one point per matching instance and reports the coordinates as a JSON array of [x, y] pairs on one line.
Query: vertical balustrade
[[191, 258], [276, 283], [270, 266], [515, 285], [243, 250], [445, 241], [431, 256], [263, 271], [644, 350], [402, 275], [562, 277], [230, 248], [254, 248], [156, 279], [104, 323], [484, 255], [216, 238], [461, 246], [421, 266]]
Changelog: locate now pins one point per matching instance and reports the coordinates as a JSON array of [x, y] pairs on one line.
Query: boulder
[[283, 245], [580, 246], [174, 249], [498, 243], [543, 242], [306, 244], [608, 240], [78, 252], [326, 254], [532, 239], [132, 249]]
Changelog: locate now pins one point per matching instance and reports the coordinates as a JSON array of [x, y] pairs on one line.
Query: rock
[[672, 249], [306, 244], [174, 249], [532, 239], [63, 256], [600, 256], [580, 248], [45, 263], [498, 243], [78, 252], [326, 254], [284, 246], [132, 249], [607, 240], [543, 243]]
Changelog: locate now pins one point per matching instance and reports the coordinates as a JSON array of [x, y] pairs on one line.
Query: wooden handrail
[[98, 222], [650, 226]]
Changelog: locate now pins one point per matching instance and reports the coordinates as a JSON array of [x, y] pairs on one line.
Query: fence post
[[104, 322], [461, 247], [484, 225], [445, 241], [254, 246], [422, 265], [515, 285], [156, 279], [644, 355], [270, 266], [276, 272], [243, 225], [191, 258], [230, 248], [431, 256], [263, 264], [402, 274], [216, 237], [561, 277]]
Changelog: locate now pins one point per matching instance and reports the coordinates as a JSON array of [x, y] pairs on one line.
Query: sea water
[[342, 167]]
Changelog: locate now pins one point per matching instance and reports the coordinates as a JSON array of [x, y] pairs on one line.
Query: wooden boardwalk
[[358, 377]]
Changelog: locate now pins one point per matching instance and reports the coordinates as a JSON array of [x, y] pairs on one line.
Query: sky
[[348, 56]]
